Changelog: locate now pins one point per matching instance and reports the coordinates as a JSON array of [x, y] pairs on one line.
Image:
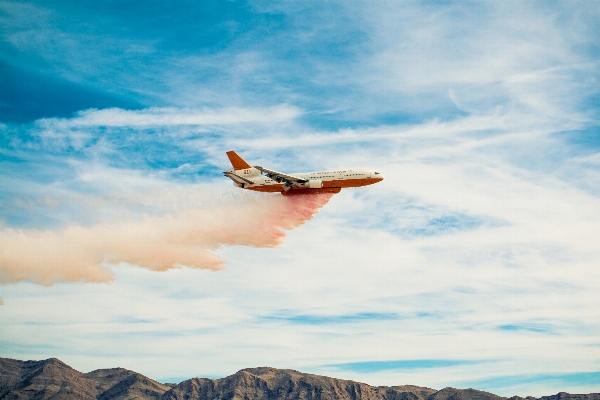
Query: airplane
[[266, 180]]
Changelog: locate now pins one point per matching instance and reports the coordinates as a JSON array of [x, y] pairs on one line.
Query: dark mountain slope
[[285, 384], [53, 379], [463, 394], [568, 396]]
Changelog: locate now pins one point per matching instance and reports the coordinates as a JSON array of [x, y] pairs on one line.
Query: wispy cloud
[[541, 383], [172, 117], [399, 365], [332, 319], [531, 327]]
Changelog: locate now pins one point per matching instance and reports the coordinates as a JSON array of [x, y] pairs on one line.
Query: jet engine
[[314, 183]]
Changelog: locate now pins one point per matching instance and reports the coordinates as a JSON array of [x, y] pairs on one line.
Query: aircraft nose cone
[[378, 176]]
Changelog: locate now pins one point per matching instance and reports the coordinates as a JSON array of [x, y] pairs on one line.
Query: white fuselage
[[324, 180]]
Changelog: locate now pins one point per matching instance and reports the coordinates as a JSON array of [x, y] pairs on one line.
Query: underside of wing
[[238, 179], [280, 177]]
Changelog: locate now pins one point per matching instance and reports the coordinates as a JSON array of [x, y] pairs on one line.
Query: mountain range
[[53, 379]]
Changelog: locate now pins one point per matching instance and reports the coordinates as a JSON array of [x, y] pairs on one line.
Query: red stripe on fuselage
[[343, 183], [294, 192]]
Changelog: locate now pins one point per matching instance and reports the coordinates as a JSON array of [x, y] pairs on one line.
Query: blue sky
[[475, 263]]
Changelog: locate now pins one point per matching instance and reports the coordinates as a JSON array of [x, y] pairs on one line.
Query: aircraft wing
[[289, 180], [237, 179]]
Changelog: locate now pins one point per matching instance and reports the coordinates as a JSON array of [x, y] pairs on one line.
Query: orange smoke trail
[[75, 253]]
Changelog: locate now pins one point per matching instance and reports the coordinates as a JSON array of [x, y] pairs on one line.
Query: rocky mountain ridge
[[53, 379]]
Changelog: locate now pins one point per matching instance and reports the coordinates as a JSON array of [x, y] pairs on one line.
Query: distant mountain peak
[[259, 370], [54, 379], [49, 361]]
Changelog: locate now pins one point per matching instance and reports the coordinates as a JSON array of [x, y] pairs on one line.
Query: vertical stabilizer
[[236, 161]]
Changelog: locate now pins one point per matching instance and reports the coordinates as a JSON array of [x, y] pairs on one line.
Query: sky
[[475, 263]]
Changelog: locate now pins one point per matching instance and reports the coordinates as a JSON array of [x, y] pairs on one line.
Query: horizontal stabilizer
[[237, 179]]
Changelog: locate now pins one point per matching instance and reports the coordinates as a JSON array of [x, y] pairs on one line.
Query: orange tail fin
[[236, 161]]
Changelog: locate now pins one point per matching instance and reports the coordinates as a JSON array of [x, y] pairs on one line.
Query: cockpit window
[[376, 173]]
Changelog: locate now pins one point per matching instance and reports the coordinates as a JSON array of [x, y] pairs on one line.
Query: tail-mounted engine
[[247, 173]]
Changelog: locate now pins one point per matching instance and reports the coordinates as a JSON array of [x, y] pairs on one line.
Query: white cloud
[[534, 270], [172, 117], [453, 291]]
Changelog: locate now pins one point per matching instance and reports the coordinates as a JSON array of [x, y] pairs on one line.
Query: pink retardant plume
[[76, 253]]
